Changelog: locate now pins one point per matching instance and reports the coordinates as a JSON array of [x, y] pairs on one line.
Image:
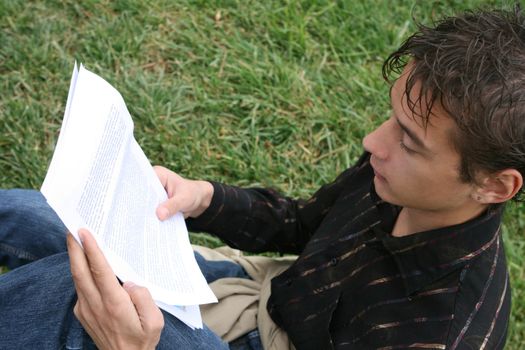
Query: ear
[[499, 187]]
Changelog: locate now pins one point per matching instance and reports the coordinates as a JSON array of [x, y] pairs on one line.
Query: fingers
[[162, 174], [167, 178], [187, 196], [169, 181], [114, 317], [83, 313], [99, 269], [150, 316], [84, 283]]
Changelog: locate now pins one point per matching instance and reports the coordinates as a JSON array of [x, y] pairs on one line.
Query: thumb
[[168, 208], [150, 315]]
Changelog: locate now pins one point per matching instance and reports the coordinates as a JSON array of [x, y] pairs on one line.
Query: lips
[[378, 174]]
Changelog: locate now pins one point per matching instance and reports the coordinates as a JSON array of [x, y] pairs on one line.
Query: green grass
[[270, 93]]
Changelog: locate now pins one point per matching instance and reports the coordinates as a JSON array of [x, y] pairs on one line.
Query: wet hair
[[473, 65]]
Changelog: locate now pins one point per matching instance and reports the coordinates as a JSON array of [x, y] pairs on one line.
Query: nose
[[376, 142]]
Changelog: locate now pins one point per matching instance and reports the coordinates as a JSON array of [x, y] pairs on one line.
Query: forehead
[[438, 130]]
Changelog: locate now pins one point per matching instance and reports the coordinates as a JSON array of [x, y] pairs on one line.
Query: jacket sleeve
[[258, 220]]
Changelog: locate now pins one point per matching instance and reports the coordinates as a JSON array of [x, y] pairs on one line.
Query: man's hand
[[187, 196], [115, 317]]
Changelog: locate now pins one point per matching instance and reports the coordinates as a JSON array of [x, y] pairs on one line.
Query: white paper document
[[100, 179]]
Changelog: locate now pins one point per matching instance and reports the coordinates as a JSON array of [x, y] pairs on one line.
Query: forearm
[[253, 219], [260, 220]]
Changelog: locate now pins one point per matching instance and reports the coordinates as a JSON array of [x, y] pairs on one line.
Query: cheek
[[436, 180], [413, 175]]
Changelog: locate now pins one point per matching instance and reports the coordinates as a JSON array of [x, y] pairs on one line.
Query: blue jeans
[[37, 299]]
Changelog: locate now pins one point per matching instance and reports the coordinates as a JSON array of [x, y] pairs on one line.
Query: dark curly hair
[[473, 65]]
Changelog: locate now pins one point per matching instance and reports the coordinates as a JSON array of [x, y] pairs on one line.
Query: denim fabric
[[213, 270], [29, 228], [36, 304], [250, 341], [37, 299]]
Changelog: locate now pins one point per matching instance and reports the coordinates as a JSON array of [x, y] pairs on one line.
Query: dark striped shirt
[[354, 285]]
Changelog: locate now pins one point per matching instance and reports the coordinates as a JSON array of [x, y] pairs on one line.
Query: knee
[[24, 203], [25, 215]]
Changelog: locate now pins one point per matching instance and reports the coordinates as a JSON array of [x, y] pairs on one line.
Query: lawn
[[252, 93]]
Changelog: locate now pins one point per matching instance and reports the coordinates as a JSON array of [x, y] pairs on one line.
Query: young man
[[403, 250]]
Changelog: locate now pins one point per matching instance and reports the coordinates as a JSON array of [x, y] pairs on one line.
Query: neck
[[412, 220]]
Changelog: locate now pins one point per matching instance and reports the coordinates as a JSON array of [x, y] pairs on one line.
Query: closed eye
[[405, 148]]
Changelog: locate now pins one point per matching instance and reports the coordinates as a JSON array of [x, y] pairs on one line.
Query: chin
[[386, 196], [381, 191]]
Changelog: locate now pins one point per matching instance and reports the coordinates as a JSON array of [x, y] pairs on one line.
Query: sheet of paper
[[100, 179], [190, 314]]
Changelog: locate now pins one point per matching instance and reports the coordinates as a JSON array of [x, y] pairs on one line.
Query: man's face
[[416, 168]]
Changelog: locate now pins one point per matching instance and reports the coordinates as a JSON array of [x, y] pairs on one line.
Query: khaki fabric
[[242, 302]]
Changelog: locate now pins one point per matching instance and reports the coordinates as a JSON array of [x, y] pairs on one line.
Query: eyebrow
[[411, 134]]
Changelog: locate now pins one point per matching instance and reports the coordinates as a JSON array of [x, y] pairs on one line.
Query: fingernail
[[81, 235], [163, 213]]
